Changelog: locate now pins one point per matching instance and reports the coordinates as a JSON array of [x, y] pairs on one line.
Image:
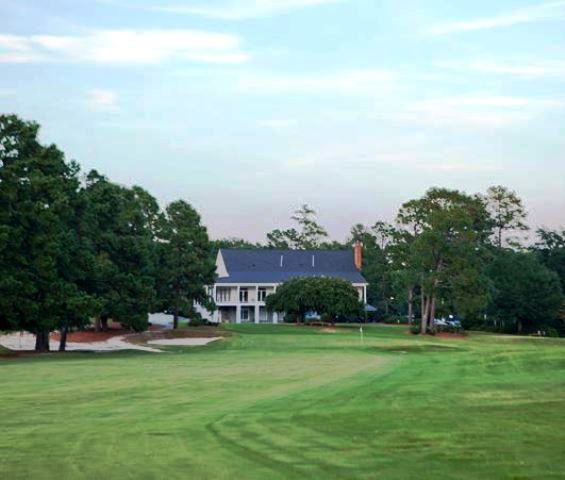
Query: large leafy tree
[[377, 266], [185, 266], [551, 249], [329, 297], [449, 230], [119, 225], [507, 213], [41, 256], [310, 234], [527, 295]]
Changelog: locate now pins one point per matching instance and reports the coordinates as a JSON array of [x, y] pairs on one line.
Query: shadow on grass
[[418, 348]]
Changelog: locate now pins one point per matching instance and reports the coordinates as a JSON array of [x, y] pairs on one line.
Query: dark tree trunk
[[410, 304], [42, 341], [63, 340], [176, 319], [432, 314], [425, 311], [97, 324], [104, 322]]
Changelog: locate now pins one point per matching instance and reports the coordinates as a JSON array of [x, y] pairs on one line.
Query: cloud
[[529, 70], [275, 123], [244, 9], [477, 101], [124, 47], [349, 81], [474, 111], [465, 166], [300, 163], [99, 99], [370, 158], [544, 11]]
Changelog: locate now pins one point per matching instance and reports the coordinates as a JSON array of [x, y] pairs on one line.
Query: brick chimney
[[358, 255]]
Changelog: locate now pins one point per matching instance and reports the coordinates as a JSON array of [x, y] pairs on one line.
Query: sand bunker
[[26, 341]]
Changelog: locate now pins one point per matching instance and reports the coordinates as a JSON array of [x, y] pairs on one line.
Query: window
[[223, 294], [263, 316], [243, 295], [245, 314], [261, 294]]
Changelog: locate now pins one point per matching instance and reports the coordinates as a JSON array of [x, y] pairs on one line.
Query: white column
[[215, 314], [238, 312], [275, 317], [256, 313]]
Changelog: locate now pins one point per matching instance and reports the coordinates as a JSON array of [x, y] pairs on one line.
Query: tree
[[376, 266], [232, 242], [310, 235], [119, 226], [402, 279], [527, 294], [283, 239], [507, 212], [449, 230], [551, 249], [79, 267], [384, 233], [358, 233], [40, 254], [185, 266], [329, 297]]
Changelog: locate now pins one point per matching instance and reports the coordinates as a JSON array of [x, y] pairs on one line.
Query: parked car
[[449, 321], [455, 323]]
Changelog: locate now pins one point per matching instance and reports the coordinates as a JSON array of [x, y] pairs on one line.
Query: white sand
[[188, 342], [26, 341]]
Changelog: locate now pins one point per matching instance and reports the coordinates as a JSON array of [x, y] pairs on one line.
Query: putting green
[[280, 402]]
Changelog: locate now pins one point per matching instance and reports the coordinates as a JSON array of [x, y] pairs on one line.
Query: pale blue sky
[[248, 108]]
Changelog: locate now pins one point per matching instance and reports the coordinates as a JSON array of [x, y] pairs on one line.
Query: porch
[[245, 314]]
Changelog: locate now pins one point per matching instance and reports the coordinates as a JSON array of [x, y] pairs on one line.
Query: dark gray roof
[[264, 265]]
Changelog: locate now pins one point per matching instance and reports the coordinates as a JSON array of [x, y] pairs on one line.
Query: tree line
[[450, 253], [76, 246]]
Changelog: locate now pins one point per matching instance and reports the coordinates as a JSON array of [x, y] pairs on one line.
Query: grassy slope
[[287, 402]]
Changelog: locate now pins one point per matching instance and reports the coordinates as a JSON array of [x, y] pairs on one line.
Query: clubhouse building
[[247, 276]]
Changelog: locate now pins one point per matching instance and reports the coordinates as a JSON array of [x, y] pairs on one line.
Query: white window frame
[[261, 294], [223, 294], [243, 295]]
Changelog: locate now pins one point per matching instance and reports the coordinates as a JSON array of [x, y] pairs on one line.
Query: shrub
[[550, 331], [196, 320], [395, 319]]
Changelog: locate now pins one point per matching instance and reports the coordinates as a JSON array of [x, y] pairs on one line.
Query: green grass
[[282, 402]]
